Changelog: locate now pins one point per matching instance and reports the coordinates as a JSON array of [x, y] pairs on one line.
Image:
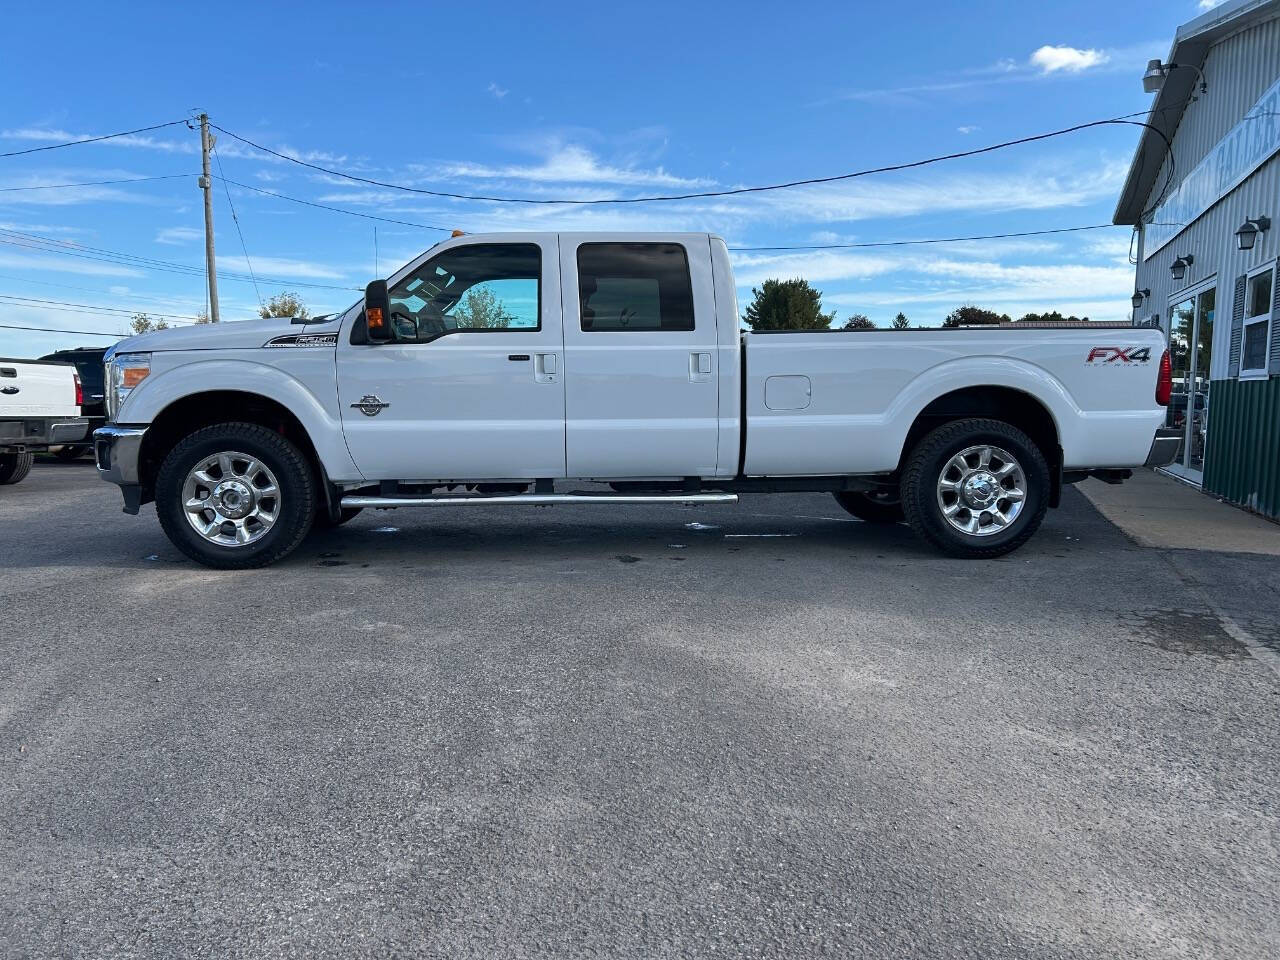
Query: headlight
[[124, 372]]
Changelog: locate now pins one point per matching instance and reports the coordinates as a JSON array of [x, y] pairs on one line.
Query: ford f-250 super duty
[[39, 407], [493, 369]]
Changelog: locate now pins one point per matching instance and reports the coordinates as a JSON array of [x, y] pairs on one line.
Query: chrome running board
[[536, 499]]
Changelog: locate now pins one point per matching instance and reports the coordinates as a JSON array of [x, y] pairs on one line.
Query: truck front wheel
[[15, 466], [975, 488], [235, 495]]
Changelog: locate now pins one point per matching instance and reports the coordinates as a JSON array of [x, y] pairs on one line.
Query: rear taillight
[[79, 390], [1164, 382]]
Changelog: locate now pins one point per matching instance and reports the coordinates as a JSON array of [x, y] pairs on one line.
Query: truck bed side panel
[[843, 403]]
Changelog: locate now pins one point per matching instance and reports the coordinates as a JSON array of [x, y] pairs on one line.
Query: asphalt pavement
[[754, 730]]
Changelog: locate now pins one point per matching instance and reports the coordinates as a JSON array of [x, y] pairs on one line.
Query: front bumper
[[38, 432], [117, 450], [1164, 448]]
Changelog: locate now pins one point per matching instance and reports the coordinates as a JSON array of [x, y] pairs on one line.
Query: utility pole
[[206, 184]]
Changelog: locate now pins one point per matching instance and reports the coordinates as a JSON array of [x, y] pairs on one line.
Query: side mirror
[[377, 312]]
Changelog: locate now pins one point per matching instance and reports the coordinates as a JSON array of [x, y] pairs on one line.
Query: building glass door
[[1191, 352]]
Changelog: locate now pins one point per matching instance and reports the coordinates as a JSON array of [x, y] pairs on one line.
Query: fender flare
[[322, 424]]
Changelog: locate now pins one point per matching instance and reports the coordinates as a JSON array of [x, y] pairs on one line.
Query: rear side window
[[634, 286]]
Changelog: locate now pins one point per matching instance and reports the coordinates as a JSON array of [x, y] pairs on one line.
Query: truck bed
[[842, 402]]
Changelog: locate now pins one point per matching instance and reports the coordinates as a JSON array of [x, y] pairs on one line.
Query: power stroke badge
[[304, 340], [370, 405]]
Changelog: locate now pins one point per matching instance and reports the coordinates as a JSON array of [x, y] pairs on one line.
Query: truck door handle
[[517, 356], [699, 367], [10, 390], [545, 366]]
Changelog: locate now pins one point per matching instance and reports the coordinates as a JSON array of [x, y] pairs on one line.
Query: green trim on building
[[1242, 451]]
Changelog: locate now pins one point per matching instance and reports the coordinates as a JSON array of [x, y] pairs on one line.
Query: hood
[[232, 335]]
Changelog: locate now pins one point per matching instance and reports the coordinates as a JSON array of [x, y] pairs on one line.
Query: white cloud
[[1052, 59], [966, 130], [497, 91], [564, 163], [176, 236], [290, 269], [1208, 4]]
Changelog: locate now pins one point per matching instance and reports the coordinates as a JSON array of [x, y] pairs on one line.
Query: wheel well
[[1014, 407], [198, 410]]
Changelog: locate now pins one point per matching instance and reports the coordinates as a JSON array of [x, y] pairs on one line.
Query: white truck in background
[[39, 408], [498, 369]]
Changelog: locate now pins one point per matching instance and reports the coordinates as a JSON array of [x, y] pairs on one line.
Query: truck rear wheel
[[15, 466], [235, 495], [976, 488], [878, 506]]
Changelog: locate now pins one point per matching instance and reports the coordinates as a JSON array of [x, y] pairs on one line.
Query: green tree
[[284, 305], [787, 305], [859, 321], [481, 309], [1051, 317], [969, 316], [900, 322], [141, 323]]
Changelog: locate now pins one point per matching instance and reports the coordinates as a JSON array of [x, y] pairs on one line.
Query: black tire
[[881, 506], [925, 469], [71, 451], [295, 508], [15, 466], [324, 523]]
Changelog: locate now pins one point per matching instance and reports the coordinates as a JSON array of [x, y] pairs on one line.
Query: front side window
[[473, 288], [634, 286], [1257, 323]]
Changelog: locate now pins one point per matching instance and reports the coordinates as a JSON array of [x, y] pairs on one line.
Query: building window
[[1257, 323]]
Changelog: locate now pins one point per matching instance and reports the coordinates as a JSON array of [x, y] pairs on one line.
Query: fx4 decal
[[1121, 354]]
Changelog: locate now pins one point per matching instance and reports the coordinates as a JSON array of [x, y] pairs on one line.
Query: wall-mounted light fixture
[[1247, 235], [1179, 267], [1139, 296], [1157, 72]]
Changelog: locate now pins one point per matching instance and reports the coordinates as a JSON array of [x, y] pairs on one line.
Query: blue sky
[[572, 99]]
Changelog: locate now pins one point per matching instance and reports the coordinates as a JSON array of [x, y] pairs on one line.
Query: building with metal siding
[[1187, 199]]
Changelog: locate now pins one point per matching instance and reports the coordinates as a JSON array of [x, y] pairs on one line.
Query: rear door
[[640, 357], [477, 393]]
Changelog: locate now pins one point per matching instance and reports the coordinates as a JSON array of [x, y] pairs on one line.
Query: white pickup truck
[[497, 369], [39, 407]]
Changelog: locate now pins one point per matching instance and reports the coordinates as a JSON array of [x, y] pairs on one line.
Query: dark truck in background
[[93, 407]]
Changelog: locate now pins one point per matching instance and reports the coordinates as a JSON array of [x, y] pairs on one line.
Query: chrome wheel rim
[[982, 490], [231, 499]]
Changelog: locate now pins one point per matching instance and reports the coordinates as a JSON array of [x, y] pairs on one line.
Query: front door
[[1191, 355], [641, 396], [473, 387]]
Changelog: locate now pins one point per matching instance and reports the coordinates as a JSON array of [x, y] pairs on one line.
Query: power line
[[84, 251], [236, 220], [95, 183], [735, 191], [105, 293], [79, 333], [93, 308], [107, 136], [909, 243], [325, 206]]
